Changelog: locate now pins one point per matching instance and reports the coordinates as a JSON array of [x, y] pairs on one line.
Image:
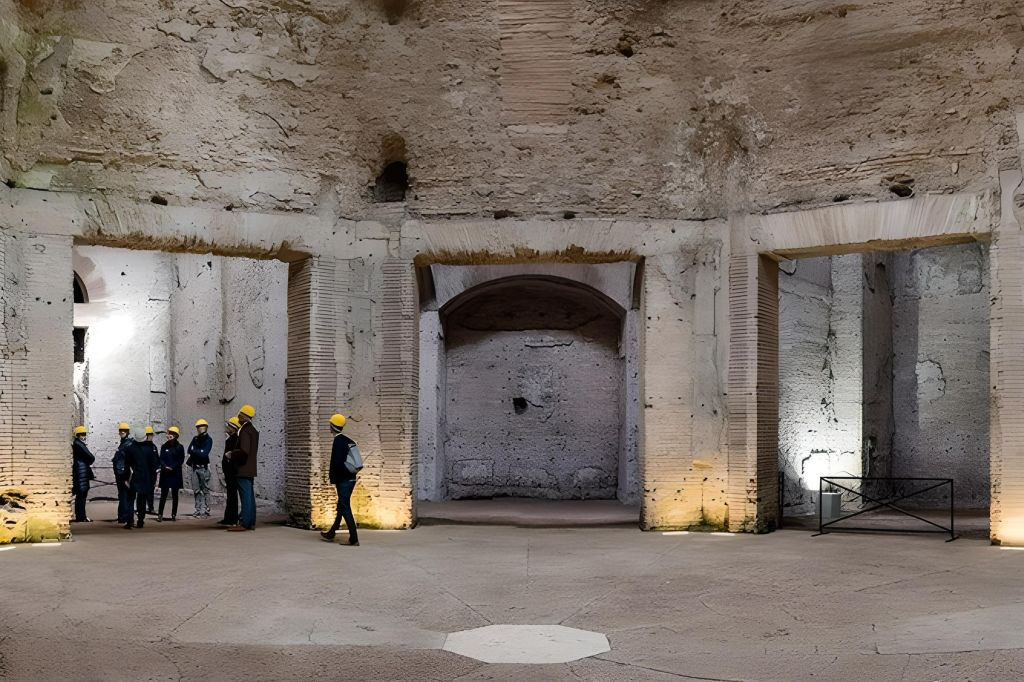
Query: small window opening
[[79, 338], [392, 183]]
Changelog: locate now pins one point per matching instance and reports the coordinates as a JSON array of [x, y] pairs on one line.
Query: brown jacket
[[244, 456]]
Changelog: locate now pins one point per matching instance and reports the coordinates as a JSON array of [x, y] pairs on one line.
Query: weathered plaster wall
[[126, 375], [176, 337], [820, 339], [643, 109], [941, 368], [533, 395]]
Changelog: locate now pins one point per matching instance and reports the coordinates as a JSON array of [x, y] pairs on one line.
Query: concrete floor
[[187, 601]]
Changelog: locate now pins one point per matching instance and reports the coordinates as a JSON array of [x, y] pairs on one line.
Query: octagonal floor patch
[[526, 644]]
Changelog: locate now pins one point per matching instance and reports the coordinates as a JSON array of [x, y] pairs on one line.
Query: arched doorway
[[533, 395]]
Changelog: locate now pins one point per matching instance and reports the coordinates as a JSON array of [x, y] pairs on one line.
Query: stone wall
[[941, 368], [533, 390], [642, 109]]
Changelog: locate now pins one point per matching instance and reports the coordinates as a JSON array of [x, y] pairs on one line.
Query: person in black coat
[[141, 463], [230, 474], [82, 460], [344, 452], [118, 462], [172, 458], [155, 462]]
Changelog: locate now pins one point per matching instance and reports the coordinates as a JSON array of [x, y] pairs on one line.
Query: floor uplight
[[676, 532]]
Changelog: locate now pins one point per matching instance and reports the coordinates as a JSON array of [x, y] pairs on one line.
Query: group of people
[[139, 467]]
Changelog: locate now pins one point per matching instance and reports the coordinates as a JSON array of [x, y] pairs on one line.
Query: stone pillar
[[1007, 370], [753, 393], [36, 378], [877, 353], [844, 360], [681, 464]]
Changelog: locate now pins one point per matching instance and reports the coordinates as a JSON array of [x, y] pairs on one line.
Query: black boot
[[328, 535]]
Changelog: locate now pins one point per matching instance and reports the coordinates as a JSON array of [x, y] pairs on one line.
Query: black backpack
[[120, 461]]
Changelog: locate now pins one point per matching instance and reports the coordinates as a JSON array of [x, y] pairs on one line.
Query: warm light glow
[[4, 549], [1019, 549], [676, 532], [722, 533], [46, 544]]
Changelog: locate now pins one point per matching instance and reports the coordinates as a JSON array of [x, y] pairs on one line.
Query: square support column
[[1007, 371], [753, 393], [36, 377]]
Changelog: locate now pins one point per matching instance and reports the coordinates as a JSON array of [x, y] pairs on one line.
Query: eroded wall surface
[[533, 396], [622, 107], [941, 369]]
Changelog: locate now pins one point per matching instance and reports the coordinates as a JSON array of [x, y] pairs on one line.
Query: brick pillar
[[398, 376], [314, 321], [753, 393], [1007, 371], [36, 377]]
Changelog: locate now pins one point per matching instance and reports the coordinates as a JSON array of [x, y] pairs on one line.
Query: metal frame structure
[[889, 502]]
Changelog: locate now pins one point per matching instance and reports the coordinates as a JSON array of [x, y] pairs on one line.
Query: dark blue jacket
[[339, 453], [82, 459], [199, 450], [120, 458], [141, 464], [172, 457]]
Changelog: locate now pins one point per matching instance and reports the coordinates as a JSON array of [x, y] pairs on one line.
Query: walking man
[[199, 461], [244, 457], [81, 465], [120, 464], [345, 466], [230, 474], [154, 462]]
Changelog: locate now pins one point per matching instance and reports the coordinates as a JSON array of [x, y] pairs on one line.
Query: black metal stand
[[888, 503]]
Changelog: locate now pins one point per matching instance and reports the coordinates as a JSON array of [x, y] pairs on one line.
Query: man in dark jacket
[[199, 461], [244, 457], [155, 461], [82, 459], [345, 463], [119, 462], [141, 463], [230, 474]]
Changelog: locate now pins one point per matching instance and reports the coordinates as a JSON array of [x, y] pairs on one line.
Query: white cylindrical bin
[[831, 506]]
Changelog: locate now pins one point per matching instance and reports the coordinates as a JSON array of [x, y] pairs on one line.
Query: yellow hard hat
[[79, 430], [202, 422], [234, 422], [338, 420], [175, 430], [248, 410], [149, 430], [124, 426]]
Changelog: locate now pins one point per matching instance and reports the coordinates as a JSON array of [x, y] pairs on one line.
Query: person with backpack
[[345, 466], [172, 458], [230, 474], [81, 473], [199, 461], [120, 465]]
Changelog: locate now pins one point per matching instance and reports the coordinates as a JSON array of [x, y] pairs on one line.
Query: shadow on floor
[[530, 513]]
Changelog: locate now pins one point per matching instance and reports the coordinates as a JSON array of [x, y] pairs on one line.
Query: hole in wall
[[519, 405], [158, 200], [392, 183]]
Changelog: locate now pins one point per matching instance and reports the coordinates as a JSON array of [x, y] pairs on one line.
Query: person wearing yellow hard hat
[[244, 457], [172, 458], [345, 466], [141, 466], [120, 466], [81, 472], [230, 473], [199, 461], [152, 458]]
